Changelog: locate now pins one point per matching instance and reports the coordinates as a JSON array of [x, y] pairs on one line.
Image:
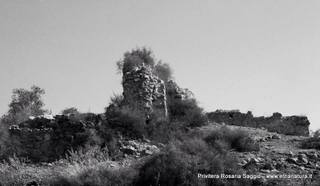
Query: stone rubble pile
[[302, 161], [138, 148]]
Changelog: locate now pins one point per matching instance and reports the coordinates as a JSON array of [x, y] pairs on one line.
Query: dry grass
[[83, 167], [225, 138]]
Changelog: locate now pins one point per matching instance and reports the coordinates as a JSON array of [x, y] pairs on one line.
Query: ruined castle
[[144, 90]]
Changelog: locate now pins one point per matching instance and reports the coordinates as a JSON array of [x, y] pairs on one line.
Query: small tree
[[187, 110], [134, 58], [24, 103], [144, 56]]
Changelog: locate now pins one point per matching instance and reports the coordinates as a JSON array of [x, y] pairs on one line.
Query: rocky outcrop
[[42, 139], [138, 148], [144, 90], [290, 125]]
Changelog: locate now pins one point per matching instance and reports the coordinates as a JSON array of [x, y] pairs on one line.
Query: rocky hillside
[[279, 155]]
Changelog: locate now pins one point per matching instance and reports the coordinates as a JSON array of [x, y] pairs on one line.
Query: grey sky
[[254, 55]]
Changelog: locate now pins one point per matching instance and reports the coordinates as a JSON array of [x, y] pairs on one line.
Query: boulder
[[138, 148]]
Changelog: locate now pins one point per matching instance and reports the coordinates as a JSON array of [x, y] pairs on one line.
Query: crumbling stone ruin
[[143, 90], [148, 87], [44, 139], [289, 125]]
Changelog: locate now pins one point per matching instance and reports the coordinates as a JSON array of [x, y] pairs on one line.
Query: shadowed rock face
[[290, 125], [144, 90]]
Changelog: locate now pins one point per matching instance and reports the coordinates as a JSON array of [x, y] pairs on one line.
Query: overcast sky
[[254, 55]]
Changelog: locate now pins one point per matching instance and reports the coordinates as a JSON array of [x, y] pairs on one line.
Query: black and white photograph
[[159, 93]]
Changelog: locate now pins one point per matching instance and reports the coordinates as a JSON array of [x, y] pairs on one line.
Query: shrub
[[181, 161], [117, 100], [91, 167], [109, 140], [129, 122], [98, 177], [169, 168], [134, 58], [83, 167], [188, 111], [311, 143], [165, 131], [14, 172], [225, 138]]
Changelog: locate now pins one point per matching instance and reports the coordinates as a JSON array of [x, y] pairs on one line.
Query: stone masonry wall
[[144, 90], [42, 140], [290, 125]]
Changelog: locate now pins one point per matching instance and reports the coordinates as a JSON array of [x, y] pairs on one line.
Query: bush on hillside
[[82, 167], [165, 131], [187, 111], [91, 167], [98, 177], [129, 122], [182, 161], [311, 143], [225, 138]]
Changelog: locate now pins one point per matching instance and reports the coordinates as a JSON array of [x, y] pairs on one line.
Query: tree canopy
[[144, 56], [24, 103]]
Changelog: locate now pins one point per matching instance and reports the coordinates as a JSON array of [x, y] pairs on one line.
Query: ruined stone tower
[[143, 90]]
